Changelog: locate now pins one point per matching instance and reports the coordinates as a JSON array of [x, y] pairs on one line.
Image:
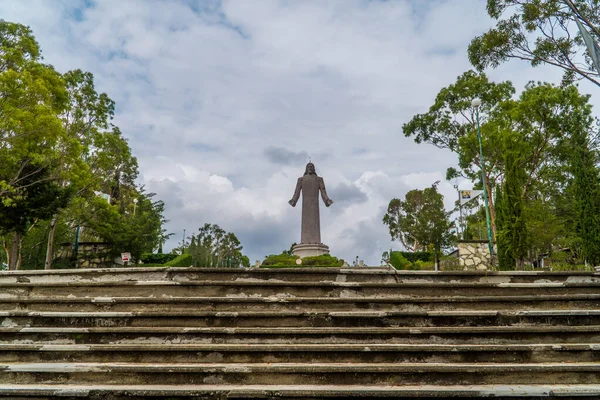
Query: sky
[[224, 103]]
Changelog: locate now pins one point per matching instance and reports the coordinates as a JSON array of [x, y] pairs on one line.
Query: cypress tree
[[510, 221], [505, 259], [513, 200], [587, 191]]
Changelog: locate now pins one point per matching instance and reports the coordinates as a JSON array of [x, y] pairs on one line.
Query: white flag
[[468, 195]]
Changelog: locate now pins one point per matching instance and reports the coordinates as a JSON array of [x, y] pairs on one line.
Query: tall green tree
[[85, 117], [450, 124], [541, 32], [420, 221], [539, 118], [513, 234], [214, 247], [586, 185], [38, 201], [33, 94]]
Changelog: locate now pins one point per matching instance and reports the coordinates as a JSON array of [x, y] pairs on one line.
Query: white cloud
[[215, 95]]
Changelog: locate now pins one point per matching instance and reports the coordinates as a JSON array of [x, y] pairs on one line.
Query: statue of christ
[[310, 185]]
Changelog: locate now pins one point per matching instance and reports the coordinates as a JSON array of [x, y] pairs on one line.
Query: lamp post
[[476, 103], [135, 201]]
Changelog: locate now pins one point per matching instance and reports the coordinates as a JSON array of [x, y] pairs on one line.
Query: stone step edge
[[313, 330], [290, 299], [286, 314], [361, 270], [246, 368], [311, 284], [331, 391], [301, 347]]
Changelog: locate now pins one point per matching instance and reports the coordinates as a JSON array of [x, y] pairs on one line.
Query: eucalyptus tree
[[540, 32], [420, 221]]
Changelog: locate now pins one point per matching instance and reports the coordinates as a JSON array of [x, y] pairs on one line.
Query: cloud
[[281, 156], [347, 193], [224, 101]]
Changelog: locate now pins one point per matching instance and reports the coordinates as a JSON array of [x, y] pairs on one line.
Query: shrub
[[285, 260], [571, 267], [398, 260], [324, 260], [183, 260], [413, 257], [279, 260], [450, 263], [153, 258], [423, 265]]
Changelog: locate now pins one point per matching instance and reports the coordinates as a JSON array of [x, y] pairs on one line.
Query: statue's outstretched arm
[[326, 198], [296, 196]]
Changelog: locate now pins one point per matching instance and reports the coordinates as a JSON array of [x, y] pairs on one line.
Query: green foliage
[[33, 95], [424, 256], [398, 261], [40, 199], [182, 260], [586, 186], [286, 260], [57, 150], [510, 220], [420, 265], [530, 159], [541, 32], [214, 247], [279, 260], [324, 260], [450, 263], [153, 258], [420, 220], [506, 260]]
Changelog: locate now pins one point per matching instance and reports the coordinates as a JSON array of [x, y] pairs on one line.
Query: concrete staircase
[[301, 333]]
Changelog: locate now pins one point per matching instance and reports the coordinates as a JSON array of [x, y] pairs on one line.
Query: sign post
[[125, 257]]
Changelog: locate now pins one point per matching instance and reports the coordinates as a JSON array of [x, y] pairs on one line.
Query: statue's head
[[310, 169]]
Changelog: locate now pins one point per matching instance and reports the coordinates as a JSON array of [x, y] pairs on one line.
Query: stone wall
[[474, 255], [89, 254]]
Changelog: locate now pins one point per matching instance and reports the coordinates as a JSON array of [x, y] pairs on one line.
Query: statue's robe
[[310, 186]]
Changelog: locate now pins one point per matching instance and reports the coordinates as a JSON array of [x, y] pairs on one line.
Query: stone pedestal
[[474, 255], [311, 249]]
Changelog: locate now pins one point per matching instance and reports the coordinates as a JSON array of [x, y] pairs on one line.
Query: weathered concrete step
[[205, 274], [22, 318], [296, 353], [220, 392], [447, 335], [293, 373], [296, 289], [297, 274], [275, 303]]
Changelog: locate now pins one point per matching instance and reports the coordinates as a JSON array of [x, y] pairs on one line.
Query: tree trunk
[[50, 247], [436, 260], [13, 258], [6, 249], [19, 252]]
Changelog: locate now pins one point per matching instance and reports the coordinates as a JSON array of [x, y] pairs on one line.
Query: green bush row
[[286, 260], [154, 258], [183, 260], [399, 260]]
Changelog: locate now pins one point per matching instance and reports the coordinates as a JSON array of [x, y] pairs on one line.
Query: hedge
[[285, 260], [183, 260], [154, 258], [424, 256], [398, 260]]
